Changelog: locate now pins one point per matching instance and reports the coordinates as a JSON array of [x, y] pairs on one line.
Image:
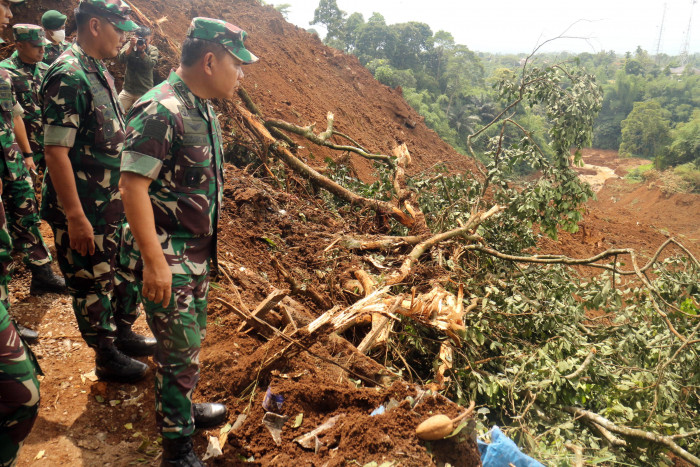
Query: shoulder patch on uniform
[[69, 93], [155, 129]]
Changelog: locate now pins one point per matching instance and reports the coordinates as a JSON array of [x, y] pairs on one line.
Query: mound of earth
[[270, 239]]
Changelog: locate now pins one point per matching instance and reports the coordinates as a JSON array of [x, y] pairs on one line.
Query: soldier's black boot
[[28, 335], [112, 365], [44, 280], [208, 415], [134, 345], [178, 452]]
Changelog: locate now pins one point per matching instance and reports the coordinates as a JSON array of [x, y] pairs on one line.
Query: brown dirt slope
[[298, 79]]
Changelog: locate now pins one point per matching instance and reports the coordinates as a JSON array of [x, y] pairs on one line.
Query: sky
[[518, 26]]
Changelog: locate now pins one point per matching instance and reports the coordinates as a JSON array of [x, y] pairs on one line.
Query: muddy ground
[[272, 237]]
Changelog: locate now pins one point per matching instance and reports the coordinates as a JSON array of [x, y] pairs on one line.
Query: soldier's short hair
[[194, 49], [82, 18]]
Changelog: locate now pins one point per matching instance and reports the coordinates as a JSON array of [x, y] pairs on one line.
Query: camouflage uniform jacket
[[174, 138], [52, 51], [12, 163], [81, 111], [26, 80]]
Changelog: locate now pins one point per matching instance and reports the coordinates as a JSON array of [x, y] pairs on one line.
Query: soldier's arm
[[80, 233], [22, 139], [157, 278], [149, 136], [64, 103]]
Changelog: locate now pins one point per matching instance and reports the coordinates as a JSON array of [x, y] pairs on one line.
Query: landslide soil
[[84, 422]]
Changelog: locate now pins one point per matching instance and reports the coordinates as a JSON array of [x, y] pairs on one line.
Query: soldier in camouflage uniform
[[55, 23], [84, 135], [19, 391], [27, 70], [19, 387], [171, 184]]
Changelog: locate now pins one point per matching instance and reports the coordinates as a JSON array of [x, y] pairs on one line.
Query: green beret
[[226, 34], [53, 20], [29, 33], [115, 11]]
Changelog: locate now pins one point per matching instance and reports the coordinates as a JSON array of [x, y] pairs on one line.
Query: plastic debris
[[272, 402], [213, 449], [274, 423], [503, 451], [393, 403], [310, 440]]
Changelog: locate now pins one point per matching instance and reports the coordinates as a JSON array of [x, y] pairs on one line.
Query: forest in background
[[650, 109]]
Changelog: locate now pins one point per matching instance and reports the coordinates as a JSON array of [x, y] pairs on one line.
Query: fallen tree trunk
[[380, 207]]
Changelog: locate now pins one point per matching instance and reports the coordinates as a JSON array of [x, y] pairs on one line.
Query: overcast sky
[[514, 26]]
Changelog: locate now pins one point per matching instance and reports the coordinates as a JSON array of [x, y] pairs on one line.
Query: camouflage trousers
[[179, 329], [23, 220], [104, 294], [19, 391]]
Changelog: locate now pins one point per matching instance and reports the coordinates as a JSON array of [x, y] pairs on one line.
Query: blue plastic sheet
[[502, 451]]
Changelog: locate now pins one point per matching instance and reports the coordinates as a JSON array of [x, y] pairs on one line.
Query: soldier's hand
[[0, 186], [29, 163], [157, 282], [81, 235]]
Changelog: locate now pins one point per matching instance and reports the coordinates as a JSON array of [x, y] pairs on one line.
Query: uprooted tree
[[457, 300]]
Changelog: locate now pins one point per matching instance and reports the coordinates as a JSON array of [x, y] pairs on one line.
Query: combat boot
[[178, 452], [134, 345], [44, 280], [112, 365], [28, 335], [208, 415]]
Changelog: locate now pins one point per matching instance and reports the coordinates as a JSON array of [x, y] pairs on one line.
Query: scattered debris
[[274, 423], [213, 448], [310, 440]]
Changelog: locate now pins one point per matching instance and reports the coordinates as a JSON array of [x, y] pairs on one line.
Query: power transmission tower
[[661, 31], [686, 40]]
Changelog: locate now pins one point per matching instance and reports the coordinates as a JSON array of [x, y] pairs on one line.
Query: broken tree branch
[[426, 245], [322, 138], [634, 433], [381, 207]]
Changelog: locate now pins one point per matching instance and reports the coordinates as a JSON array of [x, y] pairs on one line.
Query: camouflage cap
[[53, 20], [226, 34], [115, 11], [31, 33]]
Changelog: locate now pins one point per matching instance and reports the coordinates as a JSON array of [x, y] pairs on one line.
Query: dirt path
[[629, 214]]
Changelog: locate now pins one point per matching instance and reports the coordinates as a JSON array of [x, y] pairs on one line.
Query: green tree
[[375, 40], [414, 39], [685, 144], [646, 131], [333, 18]]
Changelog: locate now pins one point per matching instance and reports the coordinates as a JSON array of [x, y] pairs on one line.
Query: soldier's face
[[111, 39], [226, 76], [30, 53], [5, 14]]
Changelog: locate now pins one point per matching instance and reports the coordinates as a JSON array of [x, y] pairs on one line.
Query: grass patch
[[690, 174], [638, 173]]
